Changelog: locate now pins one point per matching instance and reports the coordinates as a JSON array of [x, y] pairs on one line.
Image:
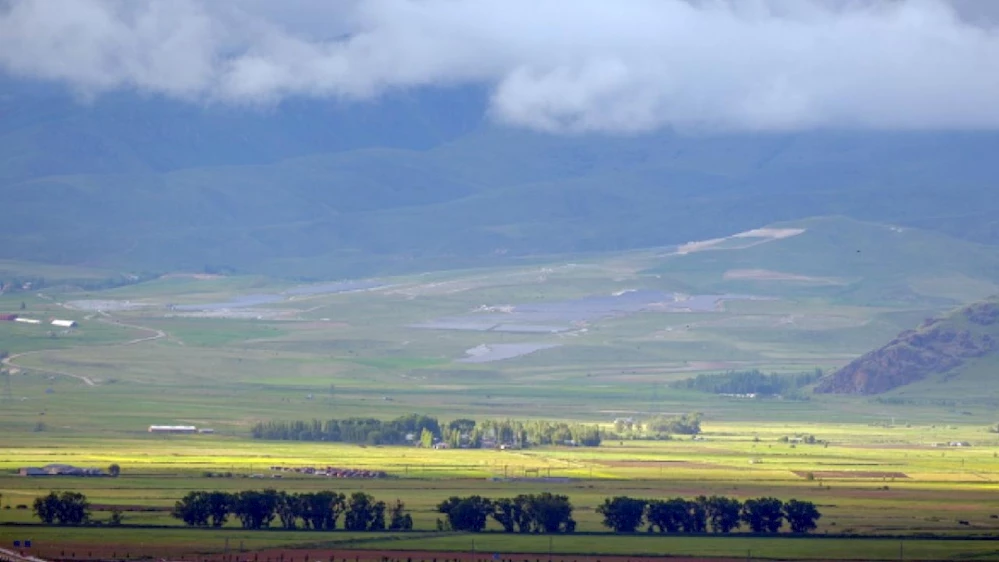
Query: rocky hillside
[[939, 345]]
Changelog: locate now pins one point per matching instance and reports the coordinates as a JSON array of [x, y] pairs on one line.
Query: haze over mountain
[[361, 137]]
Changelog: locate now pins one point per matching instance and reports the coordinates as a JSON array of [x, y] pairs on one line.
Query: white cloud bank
[[556, 65]]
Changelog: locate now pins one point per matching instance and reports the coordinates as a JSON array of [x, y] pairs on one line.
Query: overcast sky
[[557, 65]]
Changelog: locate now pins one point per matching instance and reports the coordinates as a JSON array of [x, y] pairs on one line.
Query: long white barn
[[173, 429]]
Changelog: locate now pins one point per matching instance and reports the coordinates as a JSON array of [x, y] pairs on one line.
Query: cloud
[[553, 65]]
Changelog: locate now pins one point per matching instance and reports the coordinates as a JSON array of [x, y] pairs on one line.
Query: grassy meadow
[[184, 349]]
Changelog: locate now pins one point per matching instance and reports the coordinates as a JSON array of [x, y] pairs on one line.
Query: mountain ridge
[[335, 189], [939, 346]]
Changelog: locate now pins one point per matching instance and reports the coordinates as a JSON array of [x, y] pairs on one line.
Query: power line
[[7, 394]]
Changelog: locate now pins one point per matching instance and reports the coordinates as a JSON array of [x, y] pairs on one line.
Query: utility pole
[[7, 395]]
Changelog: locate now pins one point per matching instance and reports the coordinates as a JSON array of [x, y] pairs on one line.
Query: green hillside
[[846, 260], [421, 181]]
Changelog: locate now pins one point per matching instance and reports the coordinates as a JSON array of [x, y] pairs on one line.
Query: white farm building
[[64, 323], [173, 429]]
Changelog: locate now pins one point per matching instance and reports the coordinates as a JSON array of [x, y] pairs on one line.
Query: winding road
[[104, 318]]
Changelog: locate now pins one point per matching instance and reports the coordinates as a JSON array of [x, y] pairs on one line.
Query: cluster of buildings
[[60, 470], [332, 471]]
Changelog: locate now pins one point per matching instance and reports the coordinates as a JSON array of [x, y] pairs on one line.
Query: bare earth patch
[[770, 275], [654, 464], [92, 553], [746, 240], [849, 474]]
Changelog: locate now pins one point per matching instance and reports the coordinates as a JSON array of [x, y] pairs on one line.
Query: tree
[[74, 509], [321, 510], [801, 516], [192, 509], [289, 509], [377, 516], [255, 509], [426, 439], [466, 514], [763, 515], [622, 514], [364, 513], [695, 518], [687, 424], [550, 513], [114, 470], [46, 508], [218, 504], [667, 516], [400, 520], [506, 512], [117, 516], [724, 513], [67, 508]]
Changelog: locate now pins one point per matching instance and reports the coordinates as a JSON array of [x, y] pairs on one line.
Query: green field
[[159, 352]]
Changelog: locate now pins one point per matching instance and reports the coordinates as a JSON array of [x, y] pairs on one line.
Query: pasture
[[227, 353]]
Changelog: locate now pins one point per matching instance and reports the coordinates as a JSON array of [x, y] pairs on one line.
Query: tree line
[[657, 427], [526, 513], [624, 514], [750, 382], [26, 283], [318, 511], [427, 431]]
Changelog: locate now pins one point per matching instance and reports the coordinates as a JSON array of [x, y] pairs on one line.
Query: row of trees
[[426, 431], [624, 514], [750, 382], [350, 430], [24, 283], [526, 513], [657, 427], [319, 511]]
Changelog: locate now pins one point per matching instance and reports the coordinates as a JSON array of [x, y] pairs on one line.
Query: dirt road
[[105, 318]]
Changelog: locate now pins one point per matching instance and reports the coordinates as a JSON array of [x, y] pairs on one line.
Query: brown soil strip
[[849, 474]]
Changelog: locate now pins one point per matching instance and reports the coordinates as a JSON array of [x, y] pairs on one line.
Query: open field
[[852, 487], [589, 341]]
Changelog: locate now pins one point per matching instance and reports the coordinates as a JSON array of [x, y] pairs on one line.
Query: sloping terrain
[[841, 259], [939, 346], [311, 189]]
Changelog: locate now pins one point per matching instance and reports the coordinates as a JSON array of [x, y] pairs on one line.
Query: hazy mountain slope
[[946, 346], [133, 182], [847, 260]]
